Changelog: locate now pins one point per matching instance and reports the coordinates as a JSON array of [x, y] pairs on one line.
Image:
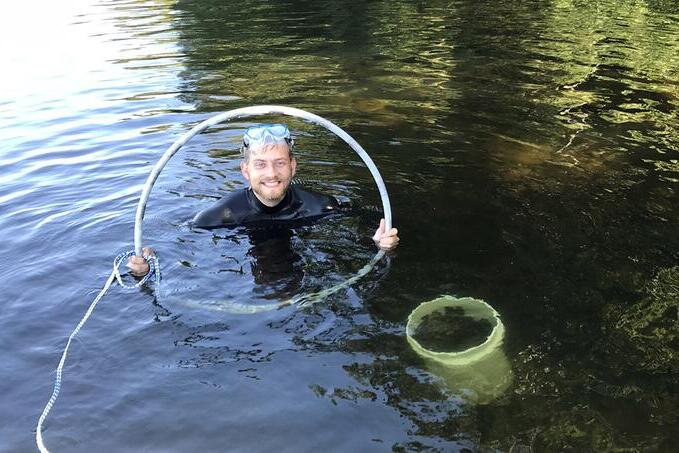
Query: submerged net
[[460, 340]]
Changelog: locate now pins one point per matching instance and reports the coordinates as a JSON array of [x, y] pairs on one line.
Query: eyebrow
[[265, 160]]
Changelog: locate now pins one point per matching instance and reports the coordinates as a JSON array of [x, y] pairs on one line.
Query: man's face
[[269, 171]]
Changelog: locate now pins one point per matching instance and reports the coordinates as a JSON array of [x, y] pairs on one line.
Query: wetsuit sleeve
[[213, 217]]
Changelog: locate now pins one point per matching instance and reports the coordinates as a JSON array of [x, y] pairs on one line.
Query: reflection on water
[[530, 151], [275, 263]]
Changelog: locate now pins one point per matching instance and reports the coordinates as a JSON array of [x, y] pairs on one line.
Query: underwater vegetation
[[627, 386], [649, 329]]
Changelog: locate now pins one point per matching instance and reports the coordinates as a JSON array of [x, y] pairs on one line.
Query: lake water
[[531, 153]]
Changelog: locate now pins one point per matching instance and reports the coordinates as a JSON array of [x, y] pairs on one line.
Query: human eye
[[259, 164]]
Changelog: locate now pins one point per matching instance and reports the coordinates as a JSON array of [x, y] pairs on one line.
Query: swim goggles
[[267, 134]]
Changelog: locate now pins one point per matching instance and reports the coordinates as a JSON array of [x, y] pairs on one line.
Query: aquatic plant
[[650, 328]]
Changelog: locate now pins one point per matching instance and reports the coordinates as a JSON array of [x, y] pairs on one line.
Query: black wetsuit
[[244, 208]]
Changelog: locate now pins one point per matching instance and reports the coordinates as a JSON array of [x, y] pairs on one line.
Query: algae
[[450, 330], [650, 328]]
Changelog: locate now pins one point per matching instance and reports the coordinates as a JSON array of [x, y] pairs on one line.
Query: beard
[[271, 195]]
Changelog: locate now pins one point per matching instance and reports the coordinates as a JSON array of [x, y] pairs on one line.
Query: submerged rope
[[302, 300], [154, 266], [259, 110]]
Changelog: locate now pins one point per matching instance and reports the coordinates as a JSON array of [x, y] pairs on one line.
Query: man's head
[[268, 164]]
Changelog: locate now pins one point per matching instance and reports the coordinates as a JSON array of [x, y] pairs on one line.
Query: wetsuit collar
[[254, 201]]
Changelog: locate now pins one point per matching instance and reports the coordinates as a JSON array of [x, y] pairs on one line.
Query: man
[[268, 166]]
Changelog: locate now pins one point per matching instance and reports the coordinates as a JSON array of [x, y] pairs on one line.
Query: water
[[531, 152]]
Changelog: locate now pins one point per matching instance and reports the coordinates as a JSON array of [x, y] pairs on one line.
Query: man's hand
[[138, 265], [386, 240]]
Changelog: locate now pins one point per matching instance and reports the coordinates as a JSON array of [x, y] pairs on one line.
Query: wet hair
[[245, 150]]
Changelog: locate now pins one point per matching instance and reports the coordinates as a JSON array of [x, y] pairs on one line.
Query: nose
[[270, 170]]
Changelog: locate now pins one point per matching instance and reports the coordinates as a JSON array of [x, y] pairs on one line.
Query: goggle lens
[[267, 134]]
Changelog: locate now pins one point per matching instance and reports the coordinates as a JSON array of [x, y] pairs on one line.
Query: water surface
[[532, 157]]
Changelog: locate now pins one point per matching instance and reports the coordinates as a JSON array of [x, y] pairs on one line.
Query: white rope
[[155, 270], [259, 110], [302, 300], [115, 274], [244, 112]]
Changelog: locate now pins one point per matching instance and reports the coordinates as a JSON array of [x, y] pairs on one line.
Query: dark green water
[[531, 153]]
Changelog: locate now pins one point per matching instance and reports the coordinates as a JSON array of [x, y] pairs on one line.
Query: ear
[[244, 170], [293, 165]]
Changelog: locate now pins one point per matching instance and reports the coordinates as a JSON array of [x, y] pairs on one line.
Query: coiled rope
[[154, 270]]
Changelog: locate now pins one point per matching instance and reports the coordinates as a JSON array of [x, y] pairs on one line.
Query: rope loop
[[154, 269]]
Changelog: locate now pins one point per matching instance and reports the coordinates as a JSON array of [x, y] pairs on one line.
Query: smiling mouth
[[271, 183]]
